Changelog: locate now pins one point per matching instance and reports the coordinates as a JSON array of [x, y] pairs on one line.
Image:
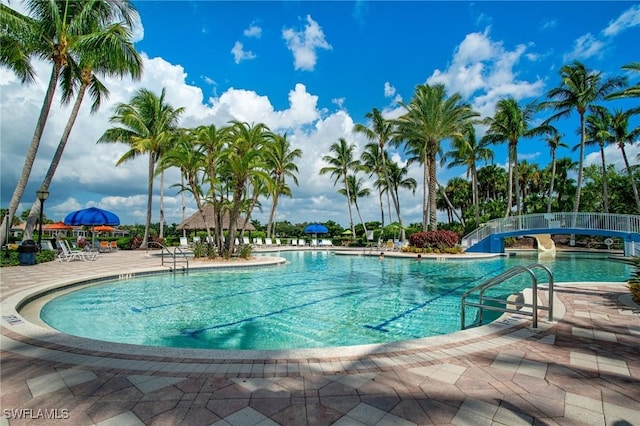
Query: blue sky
[[314, 69]]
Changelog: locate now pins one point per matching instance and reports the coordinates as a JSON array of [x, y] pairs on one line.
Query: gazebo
[[195, 222]]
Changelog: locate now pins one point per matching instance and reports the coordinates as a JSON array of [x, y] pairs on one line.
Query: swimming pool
[[317, 300]]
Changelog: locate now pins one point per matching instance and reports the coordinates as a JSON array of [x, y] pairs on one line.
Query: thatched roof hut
[[195, 222]]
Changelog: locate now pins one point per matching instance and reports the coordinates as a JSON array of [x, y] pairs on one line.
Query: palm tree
[[57, 31], [554, 141], [381, 131], [629, 92], [243, 161], [431, 117], [510, 123], [398, 179], [468, 151], [147, 125], [598, 124], [621, 135], [578, 90], [566, 185], [372, 164], [280, 160], [16, 34], [340, 166], [186, 155], [114, 55], [355, 190]]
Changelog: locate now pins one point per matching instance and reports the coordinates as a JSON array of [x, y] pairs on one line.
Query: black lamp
[[42, 195]]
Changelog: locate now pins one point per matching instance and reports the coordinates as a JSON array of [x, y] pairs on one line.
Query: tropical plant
[[340, 166], [598, 125], [554, 141], [58, 31], [147, 124], [510, 123], [280, 161], [382, 132], [356, 190], [372, 163], [113, 55], [468, 151], [579, 89], [431, 117], [621, 136]]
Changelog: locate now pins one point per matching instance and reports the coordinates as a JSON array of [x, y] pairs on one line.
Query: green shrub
[[244, 251]]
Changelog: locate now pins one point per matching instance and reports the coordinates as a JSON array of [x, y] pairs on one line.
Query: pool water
[[318, 299]]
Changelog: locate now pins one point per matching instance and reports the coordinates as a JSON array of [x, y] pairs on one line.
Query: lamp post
[[42, 195]]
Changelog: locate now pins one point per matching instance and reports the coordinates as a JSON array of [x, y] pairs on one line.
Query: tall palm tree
[[356, 189], [554, 141], [16, 36], [381, 132], [146, 124], [598, 125], [212, 140], [372, 164], [566, 185], [340, 166], [468, 151], [398, 179], [56, 31], [431, 117], [510, 123], [621, 136], [114, 55], [280, 161], [243, 162], [579, 89]]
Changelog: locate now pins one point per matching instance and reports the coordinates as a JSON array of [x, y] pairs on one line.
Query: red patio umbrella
[[55, 226], [104, 228]]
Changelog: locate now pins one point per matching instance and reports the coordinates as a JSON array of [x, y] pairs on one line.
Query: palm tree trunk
[[630, 173], [145, 238], [476, 195], [433, 218], [55, 161], [360, 216], [605, 189], [161, 205], [576, 205], [382, 205], [346, 186], [31, 154], [516, 179], [510, 187], [553, 176], [397, 206], [425, 195]]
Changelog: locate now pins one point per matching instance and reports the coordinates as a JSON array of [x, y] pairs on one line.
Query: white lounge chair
[[268, 242], [278, 242], [245, 240], [67, 254], [258, 242], [294, 242], [302, 242], [184, 242], [313, 243], [196, 240]]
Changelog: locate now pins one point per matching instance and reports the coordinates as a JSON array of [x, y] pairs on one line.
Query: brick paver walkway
[[584, 369]]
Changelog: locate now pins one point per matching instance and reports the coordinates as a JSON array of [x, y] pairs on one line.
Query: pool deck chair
[[67, 254], [184, 243], [294, 242], [278, 242], [245, 240], [268, 242], [302, 242], [113, 246]]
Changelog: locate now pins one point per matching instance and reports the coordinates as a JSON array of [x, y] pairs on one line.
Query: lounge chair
[[294, 242], [313, 243], [184, 242], [245, 240], [302, 242], [67, 254], [104, 247], [268, 242], [113, 246], [196, 240], [278, 242], [258, 242]]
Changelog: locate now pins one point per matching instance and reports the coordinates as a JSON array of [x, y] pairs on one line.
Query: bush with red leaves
[[434, 239]]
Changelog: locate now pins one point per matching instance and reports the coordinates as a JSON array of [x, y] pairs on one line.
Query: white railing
[[601, 221]]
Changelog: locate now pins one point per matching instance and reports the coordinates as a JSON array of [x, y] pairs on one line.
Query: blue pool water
[[318, 299]]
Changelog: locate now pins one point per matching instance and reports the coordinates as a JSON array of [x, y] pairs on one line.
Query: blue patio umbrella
[[316, 228], [91, 217]]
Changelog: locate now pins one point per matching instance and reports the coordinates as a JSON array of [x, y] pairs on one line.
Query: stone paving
[[583, 368]]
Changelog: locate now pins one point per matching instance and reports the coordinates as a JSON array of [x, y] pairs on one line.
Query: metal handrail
[[558, 220], [172, 254], [492, 282]]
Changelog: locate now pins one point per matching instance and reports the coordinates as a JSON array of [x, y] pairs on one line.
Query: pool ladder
[[174, 256], [499, 279]]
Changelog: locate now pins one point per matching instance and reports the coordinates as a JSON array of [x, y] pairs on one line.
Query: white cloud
[[389, 90], [239, 54], [548, 24], [630, 18], [482, 69], [304, 44], [613, 155], [584, 47], [253, 31]]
